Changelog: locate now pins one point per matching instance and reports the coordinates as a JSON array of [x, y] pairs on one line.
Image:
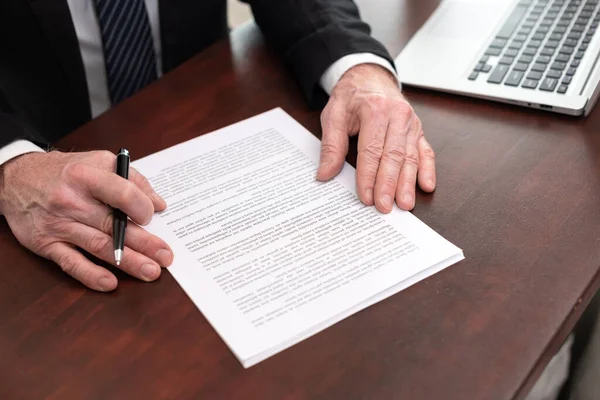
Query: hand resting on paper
[[393, 153], [57, 202]]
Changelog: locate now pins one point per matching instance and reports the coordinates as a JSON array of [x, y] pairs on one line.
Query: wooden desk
[[519, 191]]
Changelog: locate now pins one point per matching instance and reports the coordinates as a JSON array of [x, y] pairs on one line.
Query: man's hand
[[392, 150], [57, 202]]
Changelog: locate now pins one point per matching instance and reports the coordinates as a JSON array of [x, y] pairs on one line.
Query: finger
[[334, 144], [138, 239], [111, 189], [140, 180], [405, 195], [427, 176], [100, 245], [371, 139], [79, 267], [390, 165]]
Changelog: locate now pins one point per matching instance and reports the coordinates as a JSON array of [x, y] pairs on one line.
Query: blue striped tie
[[128, 46]]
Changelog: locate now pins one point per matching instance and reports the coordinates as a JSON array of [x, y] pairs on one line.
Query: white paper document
[[268, 254]]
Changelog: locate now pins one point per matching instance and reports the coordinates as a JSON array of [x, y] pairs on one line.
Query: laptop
[[535, 53]]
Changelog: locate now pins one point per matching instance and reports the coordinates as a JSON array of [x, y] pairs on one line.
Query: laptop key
[[493, 51], [555, 36], [547, 51], [499, 73], [514, 78], [562, 58], [521, 67], [543, 59], [534, 43], [530, 51], [499, 43], [507, 60], [538, 36], [557, 65], [583, 47], [566, 50], [486, 68], [571, 71], [542, 29], [548, 84], [534, 75], [525, 59], [571, 42], [579, 55], [554, 74], [524, 31], [574, 35], [511, 53], [560, 29], [473, 75], [512, 21], [516, 45], [566, 80], [529, 84], [539, 67], [575, 63], [484, 59], [562, 89]]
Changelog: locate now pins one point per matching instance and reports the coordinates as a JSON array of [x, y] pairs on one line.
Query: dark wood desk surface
[[519, 191]]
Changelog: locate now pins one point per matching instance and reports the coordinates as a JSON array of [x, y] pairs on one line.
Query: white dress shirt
[[88, 33]]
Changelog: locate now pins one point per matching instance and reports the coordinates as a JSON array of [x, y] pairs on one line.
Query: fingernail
[[408, 199], [164, 257], [386, 201], [369, 196], [431, 183], [105, 284], [150, 272]]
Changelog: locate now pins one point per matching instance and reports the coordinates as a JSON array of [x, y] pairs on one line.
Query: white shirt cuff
[[334, 73], [17, 148]]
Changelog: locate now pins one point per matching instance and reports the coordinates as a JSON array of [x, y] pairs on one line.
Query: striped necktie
[[128, 46]]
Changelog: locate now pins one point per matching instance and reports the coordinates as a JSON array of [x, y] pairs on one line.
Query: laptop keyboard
[[540, 45]]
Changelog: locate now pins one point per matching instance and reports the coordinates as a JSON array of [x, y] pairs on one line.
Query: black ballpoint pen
[[119, 217]]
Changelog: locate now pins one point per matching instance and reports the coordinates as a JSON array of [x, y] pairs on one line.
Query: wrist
[[7, 170], [369, 72]]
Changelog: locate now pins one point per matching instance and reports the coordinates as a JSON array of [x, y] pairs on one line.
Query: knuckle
[[376, 101], [373, 150], [404, 110], [429, 153], [61, 198], [105, 157], [107, 223], [67, 263], [328, 149], [411, 159], [97, 244], [394, 156], [74, 172], [128, 193]]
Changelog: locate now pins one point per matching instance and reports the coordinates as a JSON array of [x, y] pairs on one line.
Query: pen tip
[[118, 263]]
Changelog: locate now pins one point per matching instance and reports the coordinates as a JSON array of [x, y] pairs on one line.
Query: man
[[66, 61]]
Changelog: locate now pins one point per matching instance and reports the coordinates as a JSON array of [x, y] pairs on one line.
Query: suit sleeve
[[313, 34], [13, 128]]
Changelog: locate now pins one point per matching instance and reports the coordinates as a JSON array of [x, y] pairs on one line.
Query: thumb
[[334, 144]]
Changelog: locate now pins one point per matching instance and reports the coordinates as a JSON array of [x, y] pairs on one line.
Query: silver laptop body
[[535, 53]]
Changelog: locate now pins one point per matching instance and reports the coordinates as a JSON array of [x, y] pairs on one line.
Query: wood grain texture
[[519, 191]]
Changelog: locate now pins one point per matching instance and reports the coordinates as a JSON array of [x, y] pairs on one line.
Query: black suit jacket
[[43, 90]]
